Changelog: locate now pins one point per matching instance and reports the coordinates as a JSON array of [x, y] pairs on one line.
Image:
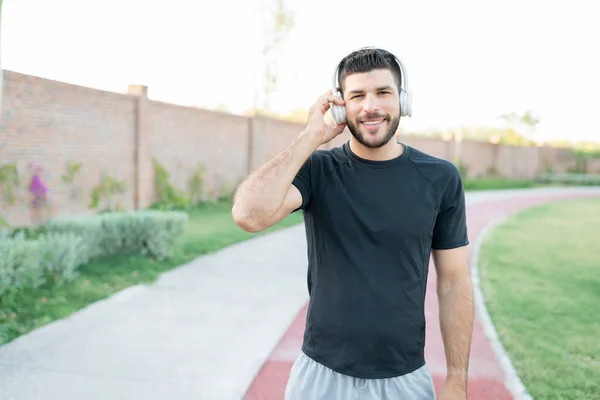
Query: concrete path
[[201, 332], [206, 329]]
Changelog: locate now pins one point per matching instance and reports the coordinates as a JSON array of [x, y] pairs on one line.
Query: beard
[[362, 137]]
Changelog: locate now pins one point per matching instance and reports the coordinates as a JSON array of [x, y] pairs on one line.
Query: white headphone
[[339, 112]]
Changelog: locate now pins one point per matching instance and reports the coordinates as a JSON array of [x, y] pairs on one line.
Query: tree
[[526, 120], [280, 21]]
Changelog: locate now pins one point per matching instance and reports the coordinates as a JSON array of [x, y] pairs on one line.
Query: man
[[374, 211]]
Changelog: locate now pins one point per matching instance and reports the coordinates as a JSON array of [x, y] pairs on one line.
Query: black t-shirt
[[370, 228]]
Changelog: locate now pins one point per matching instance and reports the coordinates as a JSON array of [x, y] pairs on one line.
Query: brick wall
[[51, 123]]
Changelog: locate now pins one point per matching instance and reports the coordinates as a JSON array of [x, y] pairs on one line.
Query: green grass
[[498, 184], [210, 228], [563, 180], [541, 280]]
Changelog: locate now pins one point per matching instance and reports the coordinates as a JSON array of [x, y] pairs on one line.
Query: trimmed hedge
[[150, 232], [571, 179], [50, 258], [63, 244]]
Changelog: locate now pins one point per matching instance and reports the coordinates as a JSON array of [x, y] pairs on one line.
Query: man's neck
[[389, 151]]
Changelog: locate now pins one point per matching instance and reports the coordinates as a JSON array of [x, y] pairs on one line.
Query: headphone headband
[[403, 75]]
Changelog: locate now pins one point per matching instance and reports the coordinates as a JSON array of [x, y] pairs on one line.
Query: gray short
[[310, 380]]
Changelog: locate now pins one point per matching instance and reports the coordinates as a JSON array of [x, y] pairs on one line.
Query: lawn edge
[[511, 377]]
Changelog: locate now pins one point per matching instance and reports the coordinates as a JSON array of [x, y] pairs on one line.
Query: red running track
[[486, 378]]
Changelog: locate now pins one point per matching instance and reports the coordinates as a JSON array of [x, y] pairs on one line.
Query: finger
[[337, 129], [325, 108], [328, 98], [338, 100]]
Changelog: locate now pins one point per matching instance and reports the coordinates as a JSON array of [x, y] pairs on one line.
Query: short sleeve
[[303, 182], [450, 230]]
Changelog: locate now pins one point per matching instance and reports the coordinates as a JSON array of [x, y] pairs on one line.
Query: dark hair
[[367, 59]]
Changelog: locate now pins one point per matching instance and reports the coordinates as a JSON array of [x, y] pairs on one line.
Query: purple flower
[[37, 187]]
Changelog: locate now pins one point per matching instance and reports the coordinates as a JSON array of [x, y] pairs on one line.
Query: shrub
[[151, 233], [169, 196], [87, 228], [61, 255], [20, 263], [30, 263], [52, 254]]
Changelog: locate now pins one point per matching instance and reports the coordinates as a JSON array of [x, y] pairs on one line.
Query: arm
[[455, 296], [454, 289], [267, 195]]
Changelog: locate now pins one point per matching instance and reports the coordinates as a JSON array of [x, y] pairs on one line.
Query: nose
[[370, 104]]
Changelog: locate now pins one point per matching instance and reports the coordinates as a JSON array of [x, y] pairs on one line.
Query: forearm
[[261, 194], [456, 323]]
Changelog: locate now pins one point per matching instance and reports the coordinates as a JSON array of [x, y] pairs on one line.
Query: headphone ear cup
[[338, 112], [405, 103]]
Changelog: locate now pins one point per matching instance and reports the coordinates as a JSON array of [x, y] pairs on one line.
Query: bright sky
[[468, 61]]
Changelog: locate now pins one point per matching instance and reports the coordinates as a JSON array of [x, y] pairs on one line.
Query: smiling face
[[372, 106]]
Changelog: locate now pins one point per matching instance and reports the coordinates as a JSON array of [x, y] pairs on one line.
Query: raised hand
[[316, 124]]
